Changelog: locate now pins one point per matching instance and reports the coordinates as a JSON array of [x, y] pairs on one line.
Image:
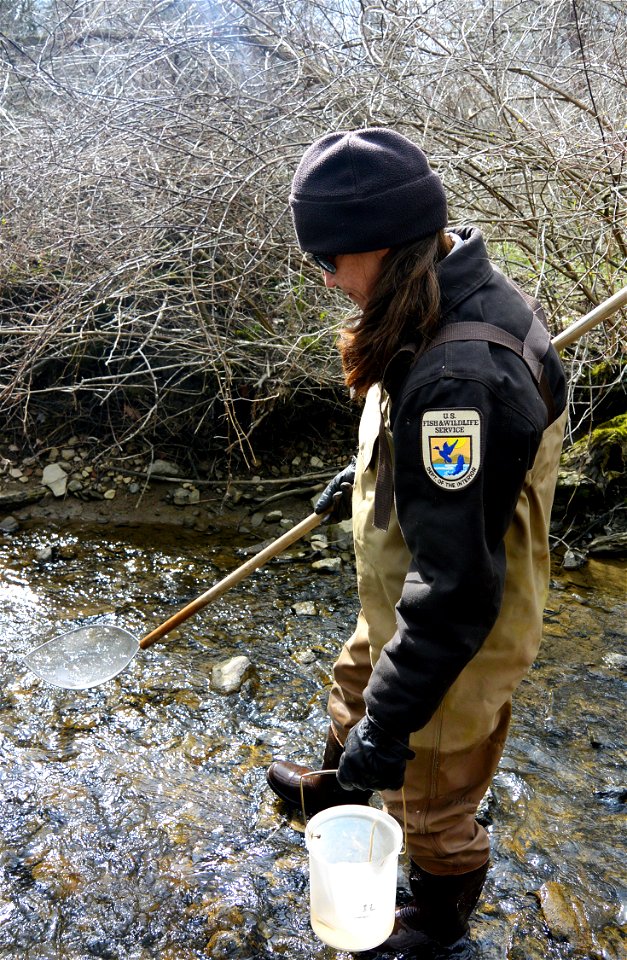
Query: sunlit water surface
[[135, 817]]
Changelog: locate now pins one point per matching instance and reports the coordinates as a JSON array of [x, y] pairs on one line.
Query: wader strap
[[384, 485], [531, 350]]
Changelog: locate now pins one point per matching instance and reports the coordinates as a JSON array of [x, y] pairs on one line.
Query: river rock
[[592, 470], [228, 677], [185, 495], [9, 525], [305, 657], [616, 661], [612, 545], [574, 559], [55, 478], [328, 565], [163, 468], [566, 917], [19, 497], [305, 608], [44, 554], [319, 542], [342, 534]]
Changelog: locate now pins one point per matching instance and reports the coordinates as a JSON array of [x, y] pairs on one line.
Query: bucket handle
[[316, 773]]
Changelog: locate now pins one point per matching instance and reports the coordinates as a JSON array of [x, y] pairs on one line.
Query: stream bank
[[81, 480]]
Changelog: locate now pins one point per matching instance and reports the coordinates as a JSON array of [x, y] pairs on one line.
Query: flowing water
[[135, 818]]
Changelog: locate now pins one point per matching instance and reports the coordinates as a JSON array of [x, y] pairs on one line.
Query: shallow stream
[[135, 818]]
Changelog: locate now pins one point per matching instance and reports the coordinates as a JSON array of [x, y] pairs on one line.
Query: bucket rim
[[360, 811]]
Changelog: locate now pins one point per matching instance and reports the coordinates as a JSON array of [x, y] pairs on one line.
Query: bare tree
[[150, 279]]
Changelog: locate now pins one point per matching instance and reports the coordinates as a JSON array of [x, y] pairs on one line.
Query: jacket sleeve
[[453, 590]]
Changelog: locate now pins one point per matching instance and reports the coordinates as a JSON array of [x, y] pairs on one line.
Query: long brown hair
[[404, 308]]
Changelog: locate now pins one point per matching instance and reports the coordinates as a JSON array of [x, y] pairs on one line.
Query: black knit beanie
[[364, 190]]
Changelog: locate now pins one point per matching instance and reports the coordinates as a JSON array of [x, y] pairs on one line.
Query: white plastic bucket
[[353, 858]]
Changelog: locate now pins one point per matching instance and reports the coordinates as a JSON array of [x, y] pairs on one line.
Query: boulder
[[55, 478]]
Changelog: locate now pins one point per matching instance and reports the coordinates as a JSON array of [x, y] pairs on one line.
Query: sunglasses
[[325, 263]]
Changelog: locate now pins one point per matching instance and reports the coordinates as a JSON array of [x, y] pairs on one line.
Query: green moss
[[601, 456], [612, 431], [607, 371]]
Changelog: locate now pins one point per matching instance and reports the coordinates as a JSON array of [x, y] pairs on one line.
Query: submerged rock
[[305, 608], [304, 656], [566, 918], [228, 677], [616, 661]]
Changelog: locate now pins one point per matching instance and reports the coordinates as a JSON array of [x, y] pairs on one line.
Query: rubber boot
[[437, 917], [319, 792]]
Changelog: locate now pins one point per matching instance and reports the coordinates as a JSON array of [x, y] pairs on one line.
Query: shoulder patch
[[451, 446]]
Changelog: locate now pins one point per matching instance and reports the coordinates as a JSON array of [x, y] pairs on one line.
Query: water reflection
[[135, 818]]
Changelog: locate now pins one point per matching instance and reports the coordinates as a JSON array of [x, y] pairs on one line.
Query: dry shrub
[[151, 286]]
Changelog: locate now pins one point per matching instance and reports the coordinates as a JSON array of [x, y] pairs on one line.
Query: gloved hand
[[372, 758], [338, 495]]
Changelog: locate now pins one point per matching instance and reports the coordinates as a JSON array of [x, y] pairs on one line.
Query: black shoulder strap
[[531, 350]]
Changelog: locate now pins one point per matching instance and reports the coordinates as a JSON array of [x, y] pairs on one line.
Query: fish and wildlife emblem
[[451, 446]]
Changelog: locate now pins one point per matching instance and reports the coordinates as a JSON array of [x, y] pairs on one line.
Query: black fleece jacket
[[456, 487]]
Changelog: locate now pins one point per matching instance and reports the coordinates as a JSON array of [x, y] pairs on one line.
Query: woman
[[465, 396]]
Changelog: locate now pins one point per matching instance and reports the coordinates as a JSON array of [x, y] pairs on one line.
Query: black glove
[[372, 759], [338, 496]]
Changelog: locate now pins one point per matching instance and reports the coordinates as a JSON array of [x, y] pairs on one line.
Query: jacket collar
[[460, 274], [464, 270]]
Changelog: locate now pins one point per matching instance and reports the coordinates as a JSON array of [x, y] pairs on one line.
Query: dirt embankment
[[78, 481]]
